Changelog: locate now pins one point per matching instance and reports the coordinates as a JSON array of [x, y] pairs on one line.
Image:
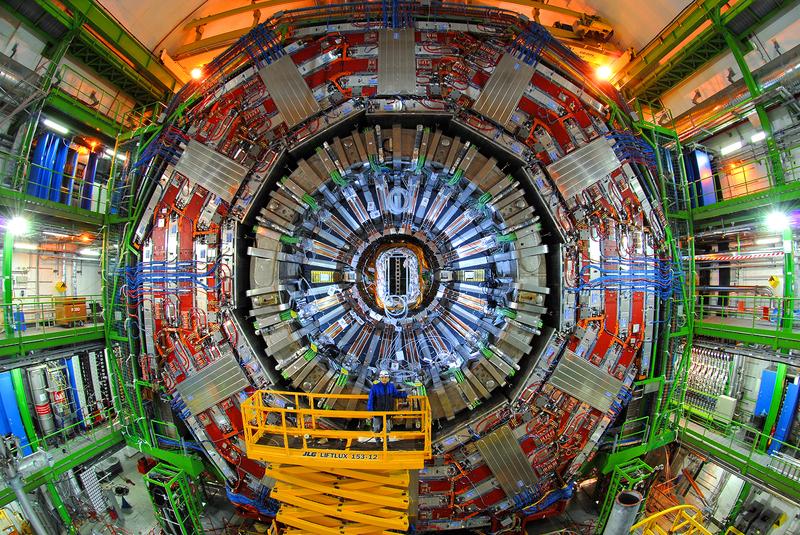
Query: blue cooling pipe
[[73, 158], [49, 166], [73, 383], [10, 419], [57, 179], [37, 161], [88, 182]]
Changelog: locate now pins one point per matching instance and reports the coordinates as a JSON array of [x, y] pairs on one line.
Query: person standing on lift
[[381, 398]]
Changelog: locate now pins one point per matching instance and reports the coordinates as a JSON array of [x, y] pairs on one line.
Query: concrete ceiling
[[160, 25]]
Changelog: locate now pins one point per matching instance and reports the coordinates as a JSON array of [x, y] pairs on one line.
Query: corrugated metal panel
[[215, 172], [584, 381], [583, 168], [509, 464], [397, 64], [505, 87], [39, 17], [289, 91], [217, 381], [754, 13]]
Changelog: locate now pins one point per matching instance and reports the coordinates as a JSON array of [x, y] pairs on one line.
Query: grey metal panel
[[289, 91], [215, 172], [584, 381], [584, 167], [505, 87], [509, 464], [217, 381], [397, 63]]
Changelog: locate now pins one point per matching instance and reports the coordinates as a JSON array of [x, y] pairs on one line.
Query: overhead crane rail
[[304, 429]]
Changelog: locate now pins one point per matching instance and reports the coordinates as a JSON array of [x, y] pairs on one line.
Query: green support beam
[[22, 402], [115, 55], [768, 198], [60, 508], [787, 321], [738, 51], [132, 49], [14, 199], [8, 288], [773, 338], [669, 58], [647, 76], [744, 493], [741, 462], [774, 408], [625, 455], [58, 337], [77, 458], [188, 463], [79, 111]]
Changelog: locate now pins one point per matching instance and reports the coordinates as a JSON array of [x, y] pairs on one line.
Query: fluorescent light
[[90, 252], [110, 153], [777, 221], [758, 136], [768, 241], [54, 234], [18, 226], [52, 125], [26, 246], [733, 147]]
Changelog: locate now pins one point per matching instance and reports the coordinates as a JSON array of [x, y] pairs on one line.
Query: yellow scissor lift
[[684, 519], [331, 479]]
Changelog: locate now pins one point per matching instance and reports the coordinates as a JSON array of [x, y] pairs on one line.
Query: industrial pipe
[[755, 290], [778, 72], [27, 508], [624, 512]]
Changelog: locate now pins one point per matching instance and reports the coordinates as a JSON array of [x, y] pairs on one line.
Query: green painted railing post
[[753, 87], [774, 408], [8, 288], [62, 510], [22, 402]]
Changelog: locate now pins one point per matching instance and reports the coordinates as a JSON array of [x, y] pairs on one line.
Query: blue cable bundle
[[629, 147], [264, 505], [181, 444], [642, 275], [262, 45], [549, 499], [165, 146], [159, 273], [530, 42]]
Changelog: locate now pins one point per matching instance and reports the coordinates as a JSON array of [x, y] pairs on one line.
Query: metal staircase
[[330, 478]]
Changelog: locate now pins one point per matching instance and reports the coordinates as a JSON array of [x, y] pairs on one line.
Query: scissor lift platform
[[331, 479]]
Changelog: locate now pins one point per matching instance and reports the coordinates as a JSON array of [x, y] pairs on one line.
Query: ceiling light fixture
[[197, 73], [90, 252], [110, 153], [52, 125], [26, 246], [54, 234], [733, 147], [603, 72], [18, 226], [777, 221], [758, 136]]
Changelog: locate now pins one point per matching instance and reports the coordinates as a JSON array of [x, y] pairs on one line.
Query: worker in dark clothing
[[381, 398]]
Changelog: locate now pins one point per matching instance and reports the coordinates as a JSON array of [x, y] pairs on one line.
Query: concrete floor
[[580, 515], [140, 519], [137, 521]]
